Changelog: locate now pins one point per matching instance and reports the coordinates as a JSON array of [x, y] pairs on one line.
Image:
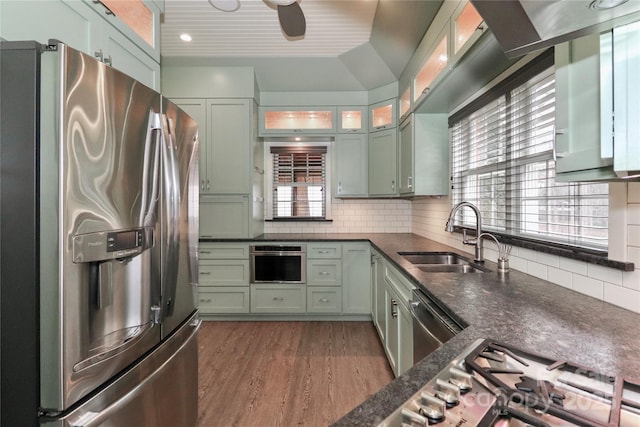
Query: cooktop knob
[[460, 379], [411, 418], [447, 392], [432, 407]]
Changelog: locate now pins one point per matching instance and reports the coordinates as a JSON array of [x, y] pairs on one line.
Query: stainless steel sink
[[442, 262], [450, 268], [434, 258]]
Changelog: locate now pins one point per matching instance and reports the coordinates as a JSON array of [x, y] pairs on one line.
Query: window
[[502, 161], [299, 182]]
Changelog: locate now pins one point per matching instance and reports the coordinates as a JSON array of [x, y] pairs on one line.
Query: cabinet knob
[[205, 299], [278, 298], [323, 273], [205, 273], [325, 300], [394, 311]]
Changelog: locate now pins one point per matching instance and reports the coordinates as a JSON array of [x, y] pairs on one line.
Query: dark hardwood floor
[[286, 373]]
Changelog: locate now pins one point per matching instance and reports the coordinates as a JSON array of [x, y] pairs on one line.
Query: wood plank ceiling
[[348, 45]]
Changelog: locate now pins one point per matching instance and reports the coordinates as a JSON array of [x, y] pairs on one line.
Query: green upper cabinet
[[383, 167], [197, 109], [351, 165], [597, 80], [423, 155], [296, 120], [382, 115], [224, 129], [228, 153], [466, 28], [87, 27], [352, 119], [404, 104], [578, 132]]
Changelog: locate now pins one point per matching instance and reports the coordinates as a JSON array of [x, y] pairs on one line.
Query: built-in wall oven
[[278, 263]]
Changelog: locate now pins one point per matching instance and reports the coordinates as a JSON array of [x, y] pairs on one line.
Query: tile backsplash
[[606, 284], [355, 216]]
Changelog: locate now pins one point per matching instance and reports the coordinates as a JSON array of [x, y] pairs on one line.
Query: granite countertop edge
[[516, 308]]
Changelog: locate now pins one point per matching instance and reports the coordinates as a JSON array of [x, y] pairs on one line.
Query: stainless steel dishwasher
[[432, 327]]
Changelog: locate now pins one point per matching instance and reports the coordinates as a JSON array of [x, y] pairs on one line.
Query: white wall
[[355, 216], [606, 284]]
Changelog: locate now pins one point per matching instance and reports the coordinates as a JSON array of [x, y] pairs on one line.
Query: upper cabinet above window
[[297, 120], [466, 27], [432, 68]]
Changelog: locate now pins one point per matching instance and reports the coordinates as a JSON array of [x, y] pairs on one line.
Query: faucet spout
[[478, 240]]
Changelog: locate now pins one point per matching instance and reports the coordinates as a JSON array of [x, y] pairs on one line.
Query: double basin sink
[[442, 262]]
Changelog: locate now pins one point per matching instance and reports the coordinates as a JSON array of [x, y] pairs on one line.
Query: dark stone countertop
[[517, 309]]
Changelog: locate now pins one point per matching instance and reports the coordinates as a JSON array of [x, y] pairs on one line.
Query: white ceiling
[[333, 27], [349, 45]]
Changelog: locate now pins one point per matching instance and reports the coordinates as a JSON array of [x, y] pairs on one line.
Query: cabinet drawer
[[398, 282], [278, 299], [223, 251], [224, 272], [324, 250], [223, 300], [324, 272], [324, 300]]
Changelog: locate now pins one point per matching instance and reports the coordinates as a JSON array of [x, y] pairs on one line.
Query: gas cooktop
[[495, 384]]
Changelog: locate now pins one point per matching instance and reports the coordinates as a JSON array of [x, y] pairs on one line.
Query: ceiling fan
[[290, 14]]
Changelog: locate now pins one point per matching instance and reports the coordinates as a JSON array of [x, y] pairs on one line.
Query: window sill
[[590, 256], [298, 220]]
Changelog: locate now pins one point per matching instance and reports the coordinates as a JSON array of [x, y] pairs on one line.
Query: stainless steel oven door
[[278, 264]]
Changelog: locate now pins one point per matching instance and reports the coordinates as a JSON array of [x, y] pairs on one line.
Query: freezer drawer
[[159, 391]]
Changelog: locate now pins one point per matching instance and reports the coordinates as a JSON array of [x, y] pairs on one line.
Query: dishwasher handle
[[432, 318]]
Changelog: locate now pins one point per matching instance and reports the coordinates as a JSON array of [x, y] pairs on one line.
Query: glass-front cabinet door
[[466, 27], [294, 120], [352, 119], [382, 115], [436, 63]]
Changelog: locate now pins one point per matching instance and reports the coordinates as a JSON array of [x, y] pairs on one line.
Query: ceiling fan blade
[[292, 20]]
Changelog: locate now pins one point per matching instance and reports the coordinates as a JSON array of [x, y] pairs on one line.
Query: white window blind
[[502, 161], [299, 182]]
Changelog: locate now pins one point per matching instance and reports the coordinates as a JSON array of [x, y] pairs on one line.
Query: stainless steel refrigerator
[[98, 245]]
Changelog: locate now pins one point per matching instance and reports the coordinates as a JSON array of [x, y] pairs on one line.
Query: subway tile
[[560, 277], [633, 255], [622, 297], [605, 274], [631, 279], [588, 286], [548, 259], [633, 235], [528, 254], [573, 266], [633, 213], [538, 270]]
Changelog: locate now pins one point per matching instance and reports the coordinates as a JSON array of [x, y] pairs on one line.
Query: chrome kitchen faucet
[[478, 240]]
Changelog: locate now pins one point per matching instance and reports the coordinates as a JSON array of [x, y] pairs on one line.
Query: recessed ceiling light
[[185, 37]]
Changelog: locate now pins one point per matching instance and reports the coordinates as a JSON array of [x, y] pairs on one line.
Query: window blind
[[299, 182], [502, 161]]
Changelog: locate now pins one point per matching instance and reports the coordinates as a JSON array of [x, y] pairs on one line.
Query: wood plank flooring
[[286, 373]]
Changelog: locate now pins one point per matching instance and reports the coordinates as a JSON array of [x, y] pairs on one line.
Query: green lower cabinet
[[223, 300], [391, 334], [278, 299], [324, 272], [356, 278], [324, 299], [377, 282]]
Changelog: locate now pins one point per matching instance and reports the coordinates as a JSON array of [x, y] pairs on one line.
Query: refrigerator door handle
[[170, 226], [151, 170]]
